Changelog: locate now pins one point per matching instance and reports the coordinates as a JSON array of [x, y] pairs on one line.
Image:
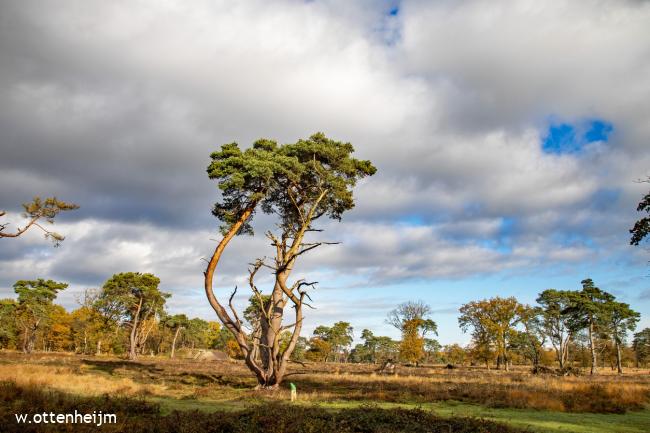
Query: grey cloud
[[131, 113], [519, 63]]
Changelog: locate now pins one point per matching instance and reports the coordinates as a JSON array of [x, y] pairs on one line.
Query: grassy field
[[333, 395]]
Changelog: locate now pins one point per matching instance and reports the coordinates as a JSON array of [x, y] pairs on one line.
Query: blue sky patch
[[566, 138], [412, 220], [598, 131], [508, 226]]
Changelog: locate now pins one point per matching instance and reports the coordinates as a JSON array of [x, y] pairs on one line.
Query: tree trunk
[[233, 326], [30, 337], [99, 347], [559, 354], [619, 366], [133, 340], [564, 347], [31, 343], [25, 340], [504, 350], [273, 361], [592, 348], [178, 330]]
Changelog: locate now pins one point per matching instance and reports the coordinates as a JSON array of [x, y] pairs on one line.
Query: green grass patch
[[534, 420], [546, 421]]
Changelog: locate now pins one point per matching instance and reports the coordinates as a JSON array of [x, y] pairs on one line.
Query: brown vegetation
[[230, 381]]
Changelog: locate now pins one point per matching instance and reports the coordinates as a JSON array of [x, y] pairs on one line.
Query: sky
[[509, 137]]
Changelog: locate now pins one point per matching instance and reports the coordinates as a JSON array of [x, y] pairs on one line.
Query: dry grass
[[73, 380], [518, 389], [187, 379]]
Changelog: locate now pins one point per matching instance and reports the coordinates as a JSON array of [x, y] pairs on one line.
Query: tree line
[[562, 318], [566, 328], [127, 317]]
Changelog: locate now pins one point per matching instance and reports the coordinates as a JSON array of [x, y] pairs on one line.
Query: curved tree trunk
[[271, 370], [178, 330], [263, 356], [233, 326]]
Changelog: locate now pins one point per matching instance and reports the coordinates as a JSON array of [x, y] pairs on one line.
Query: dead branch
[[234, 312], [303, 283], [256, 267], [293, 200], [284, 328]]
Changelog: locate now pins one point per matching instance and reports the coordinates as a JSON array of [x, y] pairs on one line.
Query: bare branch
[[298, 208], [234, 312], [302, 283], [285, 327], [273, 268], [256, 266], [272, 238]]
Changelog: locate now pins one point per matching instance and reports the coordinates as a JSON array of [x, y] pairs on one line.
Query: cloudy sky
[[509, 138]]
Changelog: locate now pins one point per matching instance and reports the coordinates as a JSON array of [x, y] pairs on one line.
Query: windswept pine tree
[[298, 184], [133, 300], [35, 304]]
